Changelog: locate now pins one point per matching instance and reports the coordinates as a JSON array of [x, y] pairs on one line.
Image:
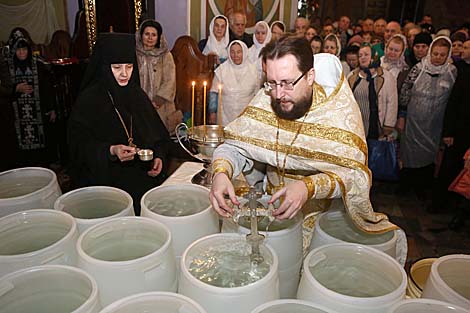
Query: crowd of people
[[408, 81]]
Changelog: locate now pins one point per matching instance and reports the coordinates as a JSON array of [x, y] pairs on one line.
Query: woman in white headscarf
[[394, 58], [332, 45], [218, 39], [277, 29], [261, 37], [238, 81], [422, 104]]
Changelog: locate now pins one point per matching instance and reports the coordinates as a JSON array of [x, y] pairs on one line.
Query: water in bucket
[[265, 225], [338, 225], [179, 203], [115, 249], [227, 266], [95, 208], [16, 186], [30, 237], [355, 277]]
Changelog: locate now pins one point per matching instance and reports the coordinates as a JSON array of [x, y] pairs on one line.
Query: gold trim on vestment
[[302, 152], [308, 129], [222, 165], [332, 185], [320, 94]]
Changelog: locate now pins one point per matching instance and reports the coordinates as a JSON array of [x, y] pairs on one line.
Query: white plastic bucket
[[286, 240], [352, 278], [291, 306], [27, 188], [335, 226], [128, 255], [49, 288], [165, 302], [449, 280], [93, 205], [37, 237], [185, 210], [425, 306], [216, 299]]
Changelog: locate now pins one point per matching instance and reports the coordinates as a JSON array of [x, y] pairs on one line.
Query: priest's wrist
[[310, 184], [112, 153], [218, 170]]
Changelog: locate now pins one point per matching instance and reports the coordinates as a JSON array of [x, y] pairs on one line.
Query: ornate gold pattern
[[302, 152], [220, 164], [90, 15], [310, 186], [309, 129], [332, 186]]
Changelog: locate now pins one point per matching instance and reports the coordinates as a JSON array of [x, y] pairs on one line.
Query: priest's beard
[[298, 110]]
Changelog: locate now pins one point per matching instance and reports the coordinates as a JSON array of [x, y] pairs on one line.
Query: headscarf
[[278, 22], [400, 63], [161, 47], [437, 69], [239, 70], [338, 43], [219, 47], [257, 46]]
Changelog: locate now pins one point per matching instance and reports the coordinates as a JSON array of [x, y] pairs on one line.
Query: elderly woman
[[157, 72], [218, 39], [239, 82], [261, 37], [32, 103], [423, 101], [394, 58], [375, 90], [112, 119]]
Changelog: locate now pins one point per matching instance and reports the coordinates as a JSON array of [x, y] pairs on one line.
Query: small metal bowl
[[145, 154]]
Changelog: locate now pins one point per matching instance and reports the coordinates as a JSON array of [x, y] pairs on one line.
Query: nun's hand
[[124, 153], [156, 167]]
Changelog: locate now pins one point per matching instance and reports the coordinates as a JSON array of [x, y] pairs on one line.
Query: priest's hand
[[293, 197], [221, 186], [124, 153], [156, 167]]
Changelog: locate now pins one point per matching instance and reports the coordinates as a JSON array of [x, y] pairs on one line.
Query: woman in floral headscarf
[[157, 72], [394, 58]]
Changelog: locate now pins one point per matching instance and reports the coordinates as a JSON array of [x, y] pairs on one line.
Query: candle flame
[[193, 83], [205, 83], [220, 86]]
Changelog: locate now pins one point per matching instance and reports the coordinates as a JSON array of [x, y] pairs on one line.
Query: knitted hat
[[423, 38]]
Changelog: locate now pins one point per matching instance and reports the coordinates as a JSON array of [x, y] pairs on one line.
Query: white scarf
[[212, 45], [436, 69]]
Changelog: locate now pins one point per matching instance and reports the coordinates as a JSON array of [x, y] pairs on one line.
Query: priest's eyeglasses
[[271, 85]]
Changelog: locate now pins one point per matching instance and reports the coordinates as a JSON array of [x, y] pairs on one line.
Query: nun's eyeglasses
[[271, 85]]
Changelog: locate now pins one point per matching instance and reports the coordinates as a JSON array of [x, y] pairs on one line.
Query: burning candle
[[204, 102], [219, 109], [193, 83]]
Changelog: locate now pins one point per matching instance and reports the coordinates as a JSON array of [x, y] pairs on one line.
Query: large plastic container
[[425, 306], [449, 280], [165, 302], [37, 237], [216, 299], [352, 278], [27, 188], [285, 237], [128, 255], [419, 273], [291, 306], [335, 226], [93, 205], [185, 210], [49, 288]]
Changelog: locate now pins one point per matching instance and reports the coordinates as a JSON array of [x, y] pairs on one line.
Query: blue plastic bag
[[383, 161]]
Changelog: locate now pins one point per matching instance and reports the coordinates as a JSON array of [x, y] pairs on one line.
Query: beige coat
[[158, 80]]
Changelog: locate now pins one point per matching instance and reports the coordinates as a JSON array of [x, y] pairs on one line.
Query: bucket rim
[[52, 182], [272, 274], [71, 232], [118, 264], [398, 293], [130, 205]]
